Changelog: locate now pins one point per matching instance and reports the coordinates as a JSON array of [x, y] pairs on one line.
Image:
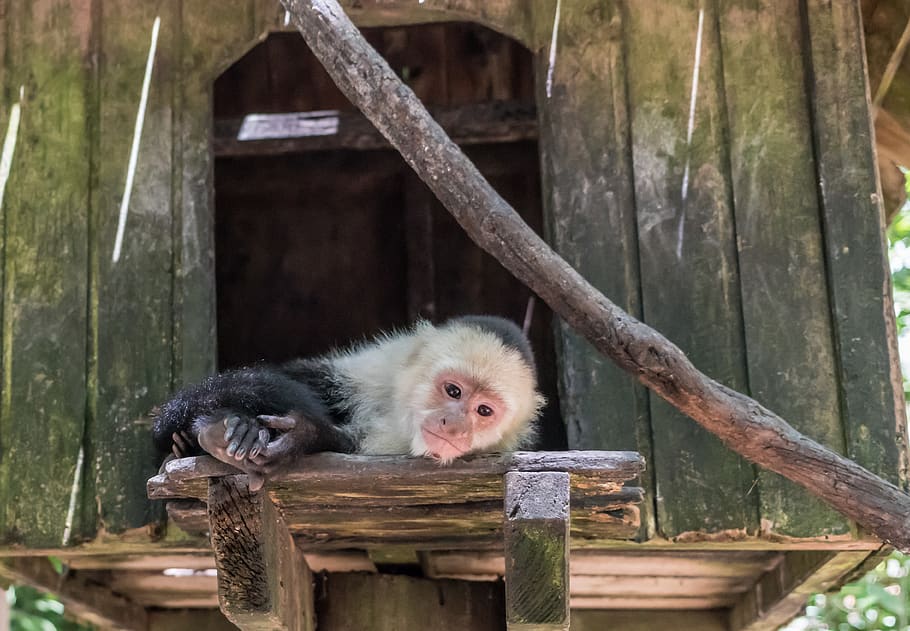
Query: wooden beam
[[781, 593], [647, 620], [263, 581], [297, 132], [387, 602], [537, 550], [85, 600]]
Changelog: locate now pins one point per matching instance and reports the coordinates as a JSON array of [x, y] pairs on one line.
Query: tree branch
[[740, 422]]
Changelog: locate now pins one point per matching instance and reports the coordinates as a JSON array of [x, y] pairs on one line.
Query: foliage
[[32, 610], [877, 602], [899, 254]]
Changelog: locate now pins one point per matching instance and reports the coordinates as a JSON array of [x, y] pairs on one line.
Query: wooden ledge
[[530, 504], [348, 501]]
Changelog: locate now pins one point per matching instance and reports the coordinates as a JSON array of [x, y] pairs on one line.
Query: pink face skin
[[457, 411]]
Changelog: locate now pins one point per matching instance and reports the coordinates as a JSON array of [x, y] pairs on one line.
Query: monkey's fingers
[[232, 424], [261, 442], [283, 423], [181, 444], [273, 451], [245, 436]]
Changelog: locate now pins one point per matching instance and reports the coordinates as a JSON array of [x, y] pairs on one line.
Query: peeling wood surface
[[345, 501]]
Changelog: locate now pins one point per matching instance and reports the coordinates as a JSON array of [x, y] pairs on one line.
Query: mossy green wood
[[589, 211], [131, 297], [213, 35], [874, 421], [45, 210], [789, 343], [689, 275]]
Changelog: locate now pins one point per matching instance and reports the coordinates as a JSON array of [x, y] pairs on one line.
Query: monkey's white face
[[460, 416]]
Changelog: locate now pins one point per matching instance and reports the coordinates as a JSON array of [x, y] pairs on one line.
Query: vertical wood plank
[[791, 360], [689, 274], [208, 46], [43, 403], [263, 580], [131, 297], [536, 532], [419, 204], [859, 280], [589, 211]]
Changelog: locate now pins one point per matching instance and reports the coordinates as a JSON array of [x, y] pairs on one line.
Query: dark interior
[[329, 240]]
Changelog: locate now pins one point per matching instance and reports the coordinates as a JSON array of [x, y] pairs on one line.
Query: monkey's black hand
[[237, 439]]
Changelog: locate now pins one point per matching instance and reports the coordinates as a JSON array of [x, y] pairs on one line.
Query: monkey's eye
[[485, 410], [453, 391]]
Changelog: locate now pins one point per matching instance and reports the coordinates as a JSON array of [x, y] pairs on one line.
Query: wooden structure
[[333, 501], [709, 166]]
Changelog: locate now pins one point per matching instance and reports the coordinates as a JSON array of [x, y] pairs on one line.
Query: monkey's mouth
[[441, 448]]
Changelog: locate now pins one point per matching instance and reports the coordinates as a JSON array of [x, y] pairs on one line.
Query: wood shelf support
[[263, 580], [537, 550]]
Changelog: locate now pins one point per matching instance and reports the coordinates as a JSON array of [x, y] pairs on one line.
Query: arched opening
[[323, 235]]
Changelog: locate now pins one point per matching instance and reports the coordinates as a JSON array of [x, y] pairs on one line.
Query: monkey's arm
[[257, 419]]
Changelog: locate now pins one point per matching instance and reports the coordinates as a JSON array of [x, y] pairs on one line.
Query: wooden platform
[[529, 505], [395, 525]]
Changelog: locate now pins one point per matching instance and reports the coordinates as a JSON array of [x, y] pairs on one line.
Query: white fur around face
[[407, 364]]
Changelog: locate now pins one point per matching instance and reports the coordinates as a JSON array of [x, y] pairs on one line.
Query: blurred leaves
[[32, 610], [876, 602]]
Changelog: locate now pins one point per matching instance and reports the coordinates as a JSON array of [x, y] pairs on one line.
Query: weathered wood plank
[[263, 581], [208, 47], [689, 275], [859, 279], [421, 271], [338, 500], [589, 214], [536, 517], [609, 466], [495, 121], [385, 602], [131, 296], [782, 592], [42, 406], [648, 620], [791, 361]]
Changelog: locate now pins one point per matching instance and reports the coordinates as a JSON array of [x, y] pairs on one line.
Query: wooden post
[[537, 550], [263, 581]]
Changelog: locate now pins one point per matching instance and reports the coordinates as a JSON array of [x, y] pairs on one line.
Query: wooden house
[[183, 189]]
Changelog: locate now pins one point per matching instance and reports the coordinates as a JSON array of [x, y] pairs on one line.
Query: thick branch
[[740, 422]]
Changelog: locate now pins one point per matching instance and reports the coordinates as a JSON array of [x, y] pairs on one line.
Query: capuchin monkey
[[466, 386]]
